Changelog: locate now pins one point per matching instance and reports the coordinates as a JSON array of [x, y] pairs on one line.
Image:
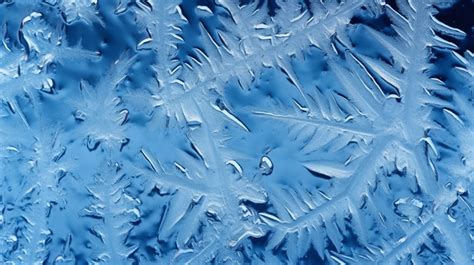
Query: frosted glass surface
[[236, 132]]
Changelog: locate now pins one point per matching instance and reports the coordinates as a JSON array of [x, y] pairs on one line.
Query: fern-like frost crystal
[[236, 132]]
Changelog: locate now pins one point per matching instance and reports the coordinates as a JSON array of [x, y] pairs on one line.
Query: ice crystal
[[236, 132]]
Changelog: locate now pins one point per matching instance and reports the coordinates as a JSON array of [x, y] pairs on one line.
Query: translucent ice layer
[[236, 132]]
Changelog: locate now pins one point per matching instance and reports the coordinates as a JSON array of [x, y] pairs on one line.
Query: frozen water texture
[[236, 132]]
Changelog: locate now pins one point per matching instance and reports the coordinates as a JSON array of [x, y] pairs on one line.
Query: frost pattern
[[235, 132]]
